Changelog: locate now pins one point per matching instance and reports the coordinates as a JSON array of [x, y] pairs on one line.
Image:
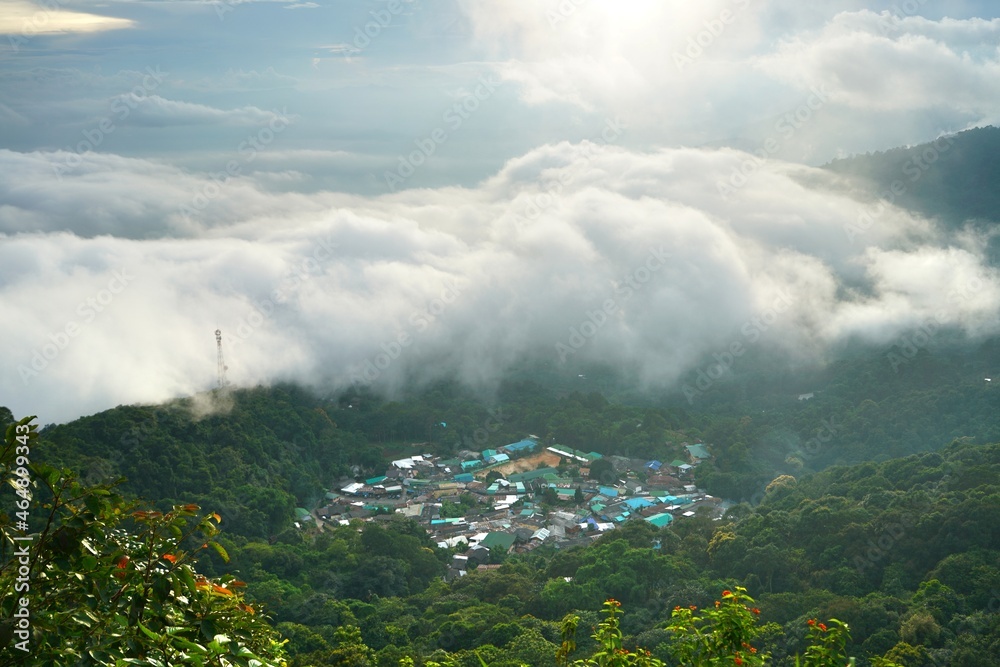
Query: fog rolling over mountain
[[571, 253], [386, 195]]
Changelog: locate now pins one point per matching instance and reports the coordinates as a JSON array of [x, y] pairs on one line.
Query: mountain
[[952, 180]]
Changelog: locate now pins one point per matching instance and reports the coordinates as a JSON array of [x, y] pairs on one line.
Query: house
[[353, 489], [523, 447], [660, 520], [489, 454], [575, 454], [698, 453], [503, 541], [654, 466], [639, 502]]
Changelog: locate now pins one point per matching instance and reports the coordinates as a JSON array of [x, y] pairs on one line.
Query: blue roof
[[499, 458], [654, 465], [639, 503], [465, 477], [523, 444], [609, 492]]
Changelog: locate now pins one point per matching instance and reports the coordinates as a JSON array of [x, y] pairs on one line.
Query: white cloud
[[153, 110], [873, 61], [474, 279], [26, 19]]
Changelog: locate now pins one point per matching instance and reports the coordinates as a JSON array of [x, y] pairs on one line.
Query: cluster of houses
[[524, 510]]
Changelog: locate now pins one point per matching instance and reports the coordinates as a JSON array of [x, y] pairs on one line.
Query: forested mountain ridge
[[256, 454], [901, 546], [904, 551], [952, 180]]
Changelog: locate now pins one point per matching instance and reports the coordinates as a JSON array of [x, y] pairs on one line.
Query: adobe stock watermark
[[454, 117], [59, 340], [121, 107], [421, 320], [909, 345], [491, 425], [703, 40], [595, 319], [750, 333], [914, 169], [891, 20], [304, 270], [537, 204], [879, 547], [247, 150], [812, 447], [34, 24], [785, 127], [563, 11], [381, 19]]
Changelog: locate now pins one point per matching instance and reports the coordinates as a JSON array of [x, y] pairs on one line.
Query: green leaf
[[208, 628], [220, 550], [149, 633]]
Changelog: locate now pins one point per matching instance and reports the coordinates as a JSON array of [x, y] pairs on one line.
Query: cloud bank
[[572, 252]]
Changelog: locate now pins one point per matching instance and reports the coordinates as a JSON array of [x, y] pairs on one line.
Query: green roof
[[698, 451], [301, 513], [676, 463], [503, 540], [376, 480], [660, 520]]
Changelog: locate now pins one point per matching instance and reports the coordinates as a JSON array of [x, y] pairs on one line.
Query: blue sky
[[213, 149]]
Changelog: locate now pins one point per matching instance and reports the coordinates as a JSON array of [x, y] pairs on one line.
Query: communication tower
[[222, 362]]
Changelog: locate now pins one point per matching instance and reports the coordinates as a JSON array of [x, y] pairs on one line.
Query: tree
[[88, 578]]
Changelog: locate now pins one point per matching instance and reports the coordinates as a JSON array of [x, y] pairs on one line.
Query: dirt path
[[528, 463]]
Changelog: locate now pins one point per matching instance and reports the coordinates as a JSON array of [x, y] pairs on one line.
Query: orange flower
[[717, 603], [811, 621], [170, 557], [693, 608], [122, 562], [822, 627], [755, 610], [725, 593], [739, 660]]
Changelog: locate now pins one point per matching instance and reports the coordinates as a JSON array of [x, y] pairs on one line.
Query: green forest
[[872, 504]]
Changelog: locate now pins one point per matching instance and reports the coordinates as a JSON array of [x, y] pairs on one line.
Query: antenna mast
[[222, 363]]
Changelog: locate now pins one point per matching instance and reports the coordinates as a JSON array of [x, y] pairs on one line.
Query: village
[[520, 497]]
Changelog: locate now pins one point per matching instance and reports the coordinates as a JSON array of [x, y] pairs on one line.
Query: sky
[[377, 192]]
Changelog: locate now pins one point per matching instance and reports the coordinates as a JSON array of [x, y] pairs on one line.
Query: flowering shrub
[[608, 634], [722, 635]]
